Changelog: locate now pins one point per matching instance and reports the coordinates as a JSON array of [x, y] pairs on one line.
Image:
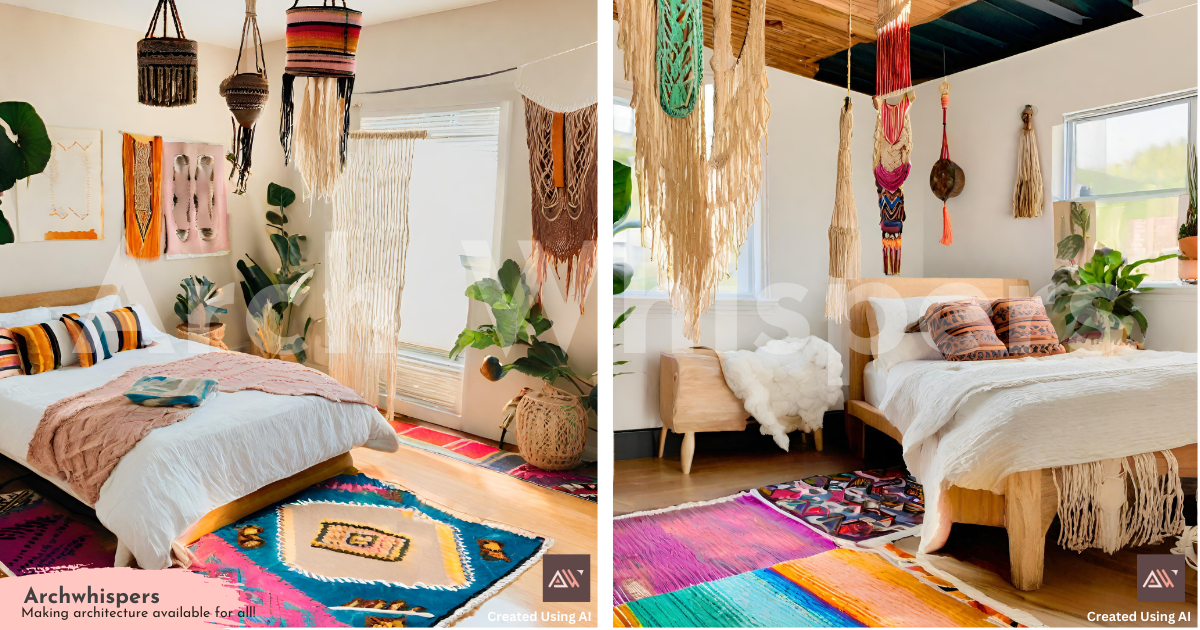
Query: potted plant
[[272, 296], [195, 307], [27, 156], [1096, 299], [1187, 231]]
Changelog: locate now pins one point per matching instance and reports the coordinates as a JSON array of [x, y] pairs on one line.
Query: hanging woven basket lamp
[[246, 95], [167, 66]]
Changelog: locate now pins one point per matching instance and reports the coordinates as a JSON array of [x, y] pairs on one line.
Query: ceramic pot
[[1187, 268]]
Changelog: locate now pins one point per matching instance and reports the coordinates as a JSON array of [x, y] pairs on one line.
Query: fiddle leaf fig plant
[[26, 156], [1098, 296]]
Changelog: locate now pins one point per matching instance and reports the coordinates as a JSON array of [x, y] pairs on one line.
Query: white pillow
[[101, 305], [892, 315], [27, 317], [148, 327]]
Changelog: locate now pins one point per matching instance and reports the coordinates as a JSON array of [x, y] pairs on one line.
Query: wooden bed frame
[[230, 512], [1030, 501]]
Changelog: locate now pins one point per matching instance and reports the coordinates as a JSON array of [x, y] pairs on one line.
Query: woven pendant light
[[246, 95], [167, 66], [321, 44]]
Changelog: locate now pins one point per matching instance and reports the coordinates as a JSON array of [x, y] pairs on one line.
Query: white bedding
[[972, 424], [230, 447], [877, 381]]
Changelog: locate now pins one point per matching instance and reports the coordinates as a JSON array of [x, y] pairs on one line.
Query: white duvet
[[973, 423], [231, 446]]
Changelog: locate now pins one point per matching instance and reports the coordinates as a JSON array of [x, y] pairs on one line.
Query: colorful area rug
[[865, 507], [355, 551], [38, 535], [492, 458]]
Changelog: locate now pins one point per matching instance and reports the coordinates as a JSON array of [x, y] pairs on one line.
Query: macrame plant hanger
[[893, 130], [1027, 195], [843, 229], [167, 66], [246, 94], [946, 179]]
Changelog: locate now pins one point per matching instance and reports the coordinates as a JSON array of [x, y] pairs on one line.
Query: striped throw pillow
[[88, 334], [963, 332], [1022, 326], [10, 358], [45, 347], [122, 329]]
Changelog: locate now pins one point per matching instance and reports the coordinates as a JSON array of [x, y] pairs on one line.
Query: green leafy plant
[[27, 156], [1188, 228], [1069, 247], [272, 297], [1098, 296], [622, 201], [519, 320], [194, 306], [617, 324]]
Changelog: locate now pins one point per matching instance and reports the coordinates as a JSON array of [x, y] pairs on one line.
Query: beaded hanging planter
[[552, 429], [246, 94], [167, 66]]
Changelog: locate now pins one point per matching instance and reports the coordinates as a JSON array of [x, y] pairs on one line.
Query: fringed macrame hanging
[[1027, 197], [946, 179], [141, 165], [321, 45], [367, 249], [563, 170], [893, 129], [843, 228], [167, 66], [695, 210], [246, 94]]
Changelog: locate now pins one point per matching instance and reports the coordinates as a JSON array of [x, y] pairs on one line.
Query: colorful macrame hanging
[[563, 170], [246, 94], [167, 66], [946, 178], [321, 44], [1027, 196], [695, 208], [843, 228], [893, 129], [141, 163]]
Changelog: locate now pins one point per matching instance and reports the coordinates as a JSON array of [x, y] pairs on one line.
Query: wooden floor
[[1075, 584]]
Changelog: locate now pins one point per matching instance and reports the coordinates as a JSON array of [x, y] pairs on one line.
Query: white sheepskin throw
[[787, 384]]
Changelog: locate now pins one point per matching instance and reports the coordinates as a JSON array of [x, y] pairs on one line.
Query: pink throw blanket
[[81, 438]]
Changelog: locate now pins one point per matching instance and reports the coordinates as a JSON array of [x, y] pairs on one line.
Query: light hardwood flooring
[[1075, 584]]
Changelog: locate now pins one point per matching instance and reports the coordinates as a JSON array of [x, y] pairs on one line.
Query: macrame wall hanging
[[946, 179], [563, 169], [843, 228], [1027, 197], [141, 164], [321, 44], [893, 130], [696, 209], [246, 94], [167, 66], [369, 239]]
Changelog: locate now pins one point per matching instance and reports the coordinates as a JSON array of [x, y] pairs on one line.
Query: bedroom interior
[[358, 261], [834, 430]]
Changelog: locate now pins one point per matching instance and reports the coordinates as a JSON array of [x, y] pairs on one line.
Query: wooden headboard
[[67, 297], [862, 317]]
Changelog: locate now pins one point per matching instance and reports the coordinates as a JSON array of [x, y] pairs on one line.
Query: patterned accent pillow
[[45, 347], [122, 329], [88, 335], [963, 332], [1023, 327], [10, 358]]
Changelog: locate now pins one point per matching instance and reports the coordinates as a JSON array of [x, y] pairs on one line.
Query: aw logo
[[566, 578], [1160, 578]]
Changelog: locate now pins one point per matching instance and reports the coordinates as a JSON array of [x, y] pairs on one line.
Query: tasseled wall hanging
[[167, 66], [843, 228], [321, 45], [893, 130], [563, 169], [946, 179], [246, 94], [1027, 197], [369, 239], [695, 211], [141, 163]]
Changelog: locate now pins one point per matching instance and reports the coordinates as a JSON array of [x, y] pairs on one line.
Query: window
[[746, 278], [452, 205], [1131, 160]]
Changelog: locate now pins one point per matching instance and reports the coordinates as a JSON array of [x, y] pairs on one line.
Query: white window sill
[[1169, 292], [723, 305]]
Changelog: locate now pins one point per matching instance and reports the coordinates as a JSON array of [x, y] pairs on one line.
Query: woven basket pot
[[167, 71], [246, 94], [552, 428]]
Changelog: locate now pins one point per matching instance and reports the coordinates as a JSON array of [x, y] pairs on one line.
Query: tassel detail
[[243, 148], [345, 94], [947, 231], [286, 118]]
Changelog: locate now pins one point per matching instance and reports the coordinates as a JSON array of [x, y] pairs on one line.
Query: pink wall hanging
[[194, 203]]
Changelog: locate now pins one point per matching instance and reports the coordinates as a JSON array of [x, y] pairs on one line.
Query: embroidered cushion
[[88, 334], [1022, 326], [10, 358], [963, 332], [45, 347]]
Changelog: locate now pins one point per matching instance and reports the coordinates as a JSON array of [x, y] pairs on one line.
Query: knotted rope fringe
[[843, 229], [1119, 502], [319, 135], [367, 251], [1027, 197]]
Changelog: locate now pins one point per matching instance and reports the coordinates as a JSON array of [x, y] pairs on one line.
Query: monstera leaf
[[27, 156]]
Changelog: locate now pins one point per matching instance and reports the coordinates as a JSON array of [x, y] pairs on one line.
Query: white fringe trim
[[552, 104], [681, 506], [476, 601], [1016, 614]]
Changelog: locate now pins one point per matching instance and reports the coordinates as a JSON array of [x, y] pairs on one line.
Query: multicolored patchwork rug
[[355, 551], [39, 535], [492, 458], [865, 507]]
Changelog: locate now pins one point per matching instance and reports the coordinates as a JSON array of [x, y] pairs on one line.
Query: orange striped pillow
[[88, 338], [1023, 327], [963, 332], [10, 357], [121, 329], [44, 347]]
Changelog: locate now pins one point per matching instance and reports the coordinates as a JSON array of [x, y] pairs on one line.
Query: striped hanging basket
[[167, 66]]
